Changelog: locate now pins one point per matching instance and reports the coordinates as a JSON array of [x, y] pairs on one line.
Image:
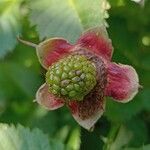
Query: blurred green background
[[123, 126]]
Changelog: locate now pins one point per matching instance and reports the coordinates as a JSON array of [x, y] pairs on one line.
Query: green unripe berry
[[72, 77]]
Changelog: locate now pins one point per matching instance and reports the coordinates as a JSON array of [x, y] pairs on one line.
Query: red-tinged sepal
[[97, 40], [51, 50], [87, 112], [48, 100], [123, 82]]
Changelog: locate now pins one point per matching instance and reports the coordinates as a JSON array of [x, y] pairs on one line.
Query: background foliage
[[123, 126]]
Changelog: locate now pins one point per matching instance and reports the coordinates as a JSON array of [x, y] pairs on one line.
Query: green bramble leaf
[[141, 2], [9, 25], [92, 13], [68, 18], [144, 147], [20, 138], [139, 131], [118, 112], [17, 77]]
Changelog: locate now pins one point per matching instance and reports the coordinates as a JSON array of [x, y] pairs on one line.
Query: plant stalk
[[27, 42]]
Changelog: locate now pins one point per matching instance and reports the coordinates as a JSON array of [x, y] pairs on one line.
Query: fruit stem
[[27, 42]]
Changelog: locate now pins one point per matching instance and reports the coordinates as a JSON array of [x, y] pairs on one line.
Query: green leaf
[[15, 76], [141, 2], [92, 13], [9, 25], [144, 147], [145, 98], [139, 131], [66, 19], [56, 145], [55, 18], [118, 112], [46, 121], [20, 138]]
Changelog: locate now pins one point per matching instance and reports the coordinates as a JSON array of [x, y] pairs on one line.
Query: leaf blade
[[9, 26], [20, 138], [69, 19]]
